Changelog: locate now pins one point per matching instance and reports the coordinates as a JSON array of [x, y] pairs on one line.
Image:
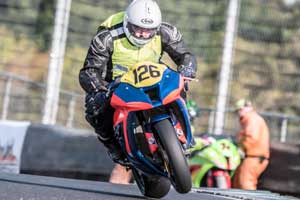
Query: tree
[[44, 24]]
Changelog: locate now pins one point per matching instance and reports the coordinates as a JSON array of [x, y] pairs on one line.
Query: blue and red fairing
[[127, 98]]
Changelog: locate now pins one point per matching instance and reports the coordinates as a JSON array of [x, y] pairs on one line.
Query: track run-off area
[[31, 187]]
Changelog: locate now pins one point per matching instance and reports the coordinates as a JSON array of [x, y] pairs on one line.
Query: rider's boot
[[114, 150]]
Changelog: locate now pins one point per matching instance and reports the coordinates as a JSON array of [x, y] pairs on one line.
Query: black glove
[[95, 103], [187, 71]]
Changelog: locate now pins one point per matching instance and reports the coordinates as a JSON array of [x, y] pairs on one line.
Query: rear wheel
[[174, 157], [217, 178], [154, 187], [221, 182]]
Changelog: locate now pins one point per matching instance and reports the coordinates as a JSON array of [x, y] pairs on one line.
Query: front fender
[[160, 118]]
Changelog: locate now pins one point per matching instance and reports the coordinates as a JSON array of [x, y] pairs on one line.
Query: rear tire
[[221, 182], [153, 187], [176, 161], [209, 180]]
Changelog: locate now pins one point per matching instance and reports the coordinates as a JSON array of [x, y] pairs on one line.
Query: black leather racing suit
[[97, 70]]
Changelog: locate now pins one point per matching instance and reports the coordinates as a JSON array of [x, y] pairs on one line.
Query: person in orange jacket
[[254, 140]]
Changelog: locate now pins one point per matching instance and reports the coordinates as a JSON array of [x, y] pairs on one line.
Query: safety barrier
[[283, 173], [52, 150]]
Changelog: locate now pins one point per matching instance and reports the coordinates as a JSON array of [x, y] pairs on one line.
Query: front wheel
[[174, 157]]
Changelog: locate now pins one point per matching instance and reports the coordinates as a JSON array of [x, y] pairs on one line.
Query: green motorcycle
[[213, 161]]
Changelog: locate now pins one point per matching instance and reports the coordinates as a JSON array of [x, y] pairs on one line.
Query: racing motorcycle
[[152, 126], [213, 161]]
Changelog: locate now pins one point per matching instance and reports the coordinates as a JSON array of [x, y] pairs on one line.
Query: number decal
[[144, 72], [224, 146], [153, 72]]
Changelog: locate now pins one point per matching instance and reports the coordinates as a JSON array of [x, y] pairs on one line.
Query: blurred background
[[245, 49]]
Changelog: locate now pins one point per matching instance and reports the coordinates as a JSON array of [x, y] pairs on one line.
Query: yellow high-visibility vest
[[125, 54]]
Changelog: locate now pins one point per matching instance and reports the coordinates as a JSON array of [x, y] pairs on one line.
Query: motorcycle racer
[[125, 38]]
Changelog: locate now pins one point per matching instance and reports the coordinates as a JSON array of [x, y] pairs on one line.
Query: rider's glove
[[187, 71], [95, 103]]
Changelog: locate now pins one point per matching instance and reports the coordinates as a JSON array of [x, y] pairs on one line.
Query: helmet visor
[[141, 33]]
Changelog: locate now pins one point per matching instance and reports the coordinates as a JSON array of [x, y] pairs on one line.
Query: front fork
[[152, 142], [177, 127]]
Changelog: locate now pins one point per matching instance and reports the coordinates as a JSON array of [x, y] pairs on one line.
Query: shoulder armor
[[169, 33], [103, 40]]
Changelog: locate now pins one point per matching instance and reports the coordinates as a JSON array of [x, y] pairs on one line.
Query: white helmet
[[142, 20]]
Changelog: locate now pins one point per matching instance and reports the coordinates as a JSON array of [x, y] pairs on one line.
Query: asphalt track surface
[[29, 187]]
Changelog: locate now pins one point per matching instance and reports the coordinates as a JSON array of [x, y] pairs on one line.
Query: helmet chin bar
[[138, 42]]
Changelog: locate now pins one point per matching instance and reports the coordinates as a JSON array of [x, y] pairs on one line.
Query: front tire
[[175, 159]]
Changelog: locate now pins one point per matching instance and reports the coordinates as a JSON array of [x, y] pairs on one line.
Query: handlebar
[[186, 82], [112, 86]]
